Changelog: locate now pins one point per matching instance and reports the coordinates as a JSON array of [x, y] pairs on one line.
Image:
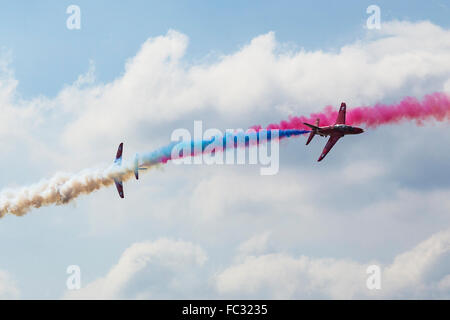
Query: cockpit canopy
[[343, 127]]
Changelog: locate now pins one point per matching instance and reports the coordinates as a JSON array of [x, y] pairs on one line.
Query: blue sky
[[381, 198], [112, 32]]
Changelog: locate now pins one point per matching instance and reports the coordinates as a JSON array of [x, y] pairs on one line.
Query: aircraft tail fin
[[341, 115], [137, 167], [313, 131]]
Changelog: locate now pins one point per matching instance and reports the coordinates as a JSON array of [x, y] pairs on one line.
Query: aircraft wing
[[119, 187], [341, 116], [331, 142]]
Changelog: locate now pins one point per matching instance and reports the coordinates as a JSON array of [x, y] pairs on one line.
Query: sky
[[135, 72]]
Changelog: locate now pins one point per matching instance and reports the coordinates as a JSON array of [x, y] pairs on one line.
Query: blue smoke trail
[[240, 138]]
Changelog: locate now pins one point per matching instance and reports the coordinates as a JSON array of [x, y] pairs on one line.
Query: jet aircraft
[[118, 162], [336, 131]]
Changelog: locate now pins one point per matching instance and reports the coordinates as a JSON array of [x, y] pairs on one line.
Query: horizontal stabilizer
[[311, 126], [311, 136], [313, 131], [136, 167]]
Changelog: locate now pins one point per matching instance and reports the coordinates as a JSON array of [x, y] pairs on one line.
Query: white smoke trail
[[60, 189], [63, 187]]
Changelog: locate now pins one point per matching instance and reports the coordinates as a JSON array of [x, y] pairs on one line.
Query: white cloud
[[411, 271], [221, 194], [19, 118], [282, 276], [339, 209], [8, 288], [444, 284], [362, 171], [145, 265], [255, 245], [167, 268], [158, 87]]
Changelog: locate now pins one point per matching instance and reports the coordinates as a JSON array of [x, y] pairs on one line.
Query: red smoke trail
[[433, 106]]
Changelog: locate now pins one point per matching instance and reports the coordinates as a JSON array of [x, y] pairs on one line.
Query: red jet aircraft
[[336, 131]]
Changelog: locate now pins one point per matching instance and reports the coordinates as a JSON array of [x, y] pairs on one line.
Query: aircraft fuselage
[[338, 130]]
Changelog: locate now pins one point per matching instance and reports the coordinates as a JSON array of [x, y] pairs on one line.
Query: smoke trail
[[63, 187], [435, 106], [164, 154], [59, 190]]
